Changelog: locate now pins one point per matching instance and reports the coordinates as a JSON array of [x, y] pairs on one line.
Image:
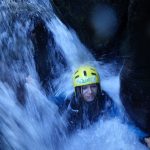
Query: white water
[[113, 134], [37, 125]]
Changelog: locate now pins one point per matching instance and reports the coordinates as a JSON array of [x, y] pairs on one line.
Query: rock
[[135, 76], [49, 60], [80, 14]]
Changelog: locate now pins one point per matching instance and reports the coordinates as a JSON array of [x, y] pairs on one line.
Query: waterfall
[[114, 134], [28, 117]]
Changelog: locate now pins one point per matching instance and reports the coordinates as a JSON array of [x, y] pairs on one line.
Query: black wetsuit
[[81, 114]]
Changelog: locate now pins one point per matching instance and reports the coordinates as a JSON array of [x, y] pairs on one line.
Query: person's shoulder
[[68, 101], [73, 104], [60, 101]]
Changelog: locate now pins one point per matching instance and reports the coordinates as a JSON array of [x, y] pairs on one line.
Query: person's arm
[[72, 115]]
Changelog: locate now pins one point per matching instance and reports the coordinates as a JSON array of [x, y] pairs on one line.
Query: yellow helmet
[[85, 75]]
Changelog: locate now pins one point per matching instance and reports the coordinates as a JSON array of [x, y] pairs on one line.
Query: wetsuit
[[81, 114]]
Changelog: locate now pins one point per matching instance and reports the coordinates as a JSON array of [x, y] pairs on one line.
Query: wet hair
[[95, 106]]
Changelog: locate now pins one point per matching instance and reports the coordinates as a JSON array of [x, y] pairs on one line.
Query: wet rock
[[135, 76], [40, 37], [48, 59], [109, 15]]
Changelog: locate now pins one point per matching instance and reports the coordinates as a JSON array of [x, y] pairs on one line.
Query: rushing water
[[34, 122]]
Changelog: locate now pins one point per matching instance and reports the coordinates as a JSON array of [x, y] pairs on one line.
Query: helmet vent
[[76, 71], [92, 69], [93, 74], [77, 76], [84, 72]]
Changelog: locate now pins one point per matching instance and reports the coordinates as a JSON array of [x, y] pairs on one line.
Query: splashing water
[[114, 134], [36, 124]]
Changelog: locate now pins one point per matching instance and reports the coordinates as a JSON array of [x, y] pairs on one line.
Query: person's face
[[89, 92]]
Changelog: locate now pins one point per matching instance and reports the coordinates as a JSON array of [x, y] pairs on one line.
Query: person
[[88, 102]]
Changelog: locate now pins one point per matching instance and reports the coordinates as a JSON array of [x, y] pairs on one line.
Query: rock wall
[[79, 15], [135, 76]]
